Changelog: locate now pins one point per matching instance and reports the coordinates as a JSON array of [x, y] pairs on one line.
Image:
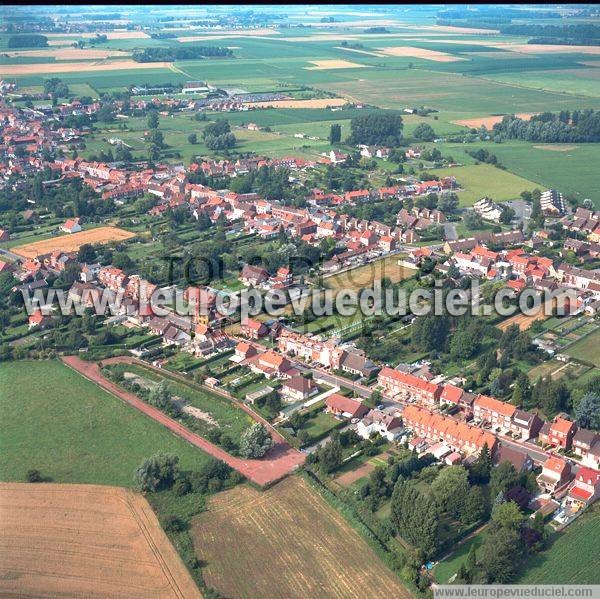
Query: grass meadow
[[60, 423]]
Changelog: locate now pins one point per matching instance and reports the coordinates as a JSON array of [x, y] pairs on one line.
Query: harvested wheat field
[[69, 53], [223, 34], [286, 543], [111, 35], [315, 103], [489, 121], [523, 320], [76, 67], [325, 65], [411, 52], [546, 48], [363, 276], [72, 242], [85, 541]]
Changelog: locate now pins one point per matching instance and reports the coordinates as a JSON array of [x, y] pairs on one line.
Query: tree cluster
[[380, 129], [179, 53]]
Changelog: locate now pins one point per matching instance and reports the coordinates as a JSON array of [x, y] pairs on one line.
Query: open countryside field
[[78, 67], [243, 529], [85, 541], [570, 169], [74, 431], [572, 558], [73, 241], [479, 180]]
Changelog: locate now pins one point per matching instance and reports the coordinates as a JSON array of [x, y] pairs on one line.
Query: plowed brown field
[[286, 543], [72, 242], [85, 541]]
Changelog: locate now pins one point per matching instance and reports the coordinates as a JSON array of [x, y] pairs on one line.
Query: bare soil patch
[[545, 48], [111, 35], [76, 67], [348, 478], [227, 33], [85, 541], [69, 53], [72, 242], [490, 121], [324, 65], [556, 147], [315, 103], [311, 551], [413, 52]]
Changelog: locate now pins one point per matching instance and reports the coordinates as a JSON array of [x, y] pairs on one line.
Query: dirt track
[[88, 541], [280, 460]]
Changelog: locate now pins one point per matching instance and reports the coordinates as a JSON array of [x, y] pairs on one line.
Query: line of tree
[[548, 127], [183, 53], [29, 40], [584, 34]]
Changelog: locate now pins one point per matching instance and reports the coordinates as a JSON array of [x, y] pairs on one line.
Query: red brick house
[[345, 406], [559, 432]]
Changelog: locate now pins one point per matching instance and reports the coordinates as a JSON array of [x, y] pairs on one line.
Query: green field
[[448, 567], [60, 423], [586, 349], [230, 418], [572, 558], [479, 180]]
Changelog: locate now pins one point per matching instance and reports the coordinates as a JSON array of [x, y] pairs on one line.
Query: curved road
[[278, 462]]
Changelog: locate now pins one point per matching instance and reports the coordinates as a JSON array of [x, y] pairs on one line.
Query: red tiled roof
[[555, 464], [561, 425], [579, 493], [340, 403], [495, 405]]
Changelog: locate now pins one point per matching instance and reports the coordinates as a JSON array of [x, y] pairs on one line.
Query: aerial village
[[268, 361]]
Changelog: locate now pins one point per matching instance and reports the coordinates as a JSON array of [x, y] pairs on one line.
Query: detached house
[[376, 421], [71, 226], [253, 275], [297, 388], [345, 406]]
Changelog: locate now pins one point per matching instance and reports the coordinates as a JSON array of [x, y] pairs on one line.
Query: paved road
[[280, 460]]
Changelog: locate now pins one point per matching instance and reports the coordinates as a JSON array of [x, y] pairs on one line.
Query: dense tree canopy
[[376, 129]]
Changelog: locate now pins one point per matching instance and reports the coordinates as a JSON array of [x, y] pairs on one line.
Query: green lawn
[[447, 568], [230, 418], [568, 167], [55, 420], [479, 180], [572, 558], [587, 348]]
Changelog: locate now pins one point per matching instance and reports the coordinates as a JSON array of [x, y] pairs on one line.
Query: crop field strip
[[93, 541], [244, 529]]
